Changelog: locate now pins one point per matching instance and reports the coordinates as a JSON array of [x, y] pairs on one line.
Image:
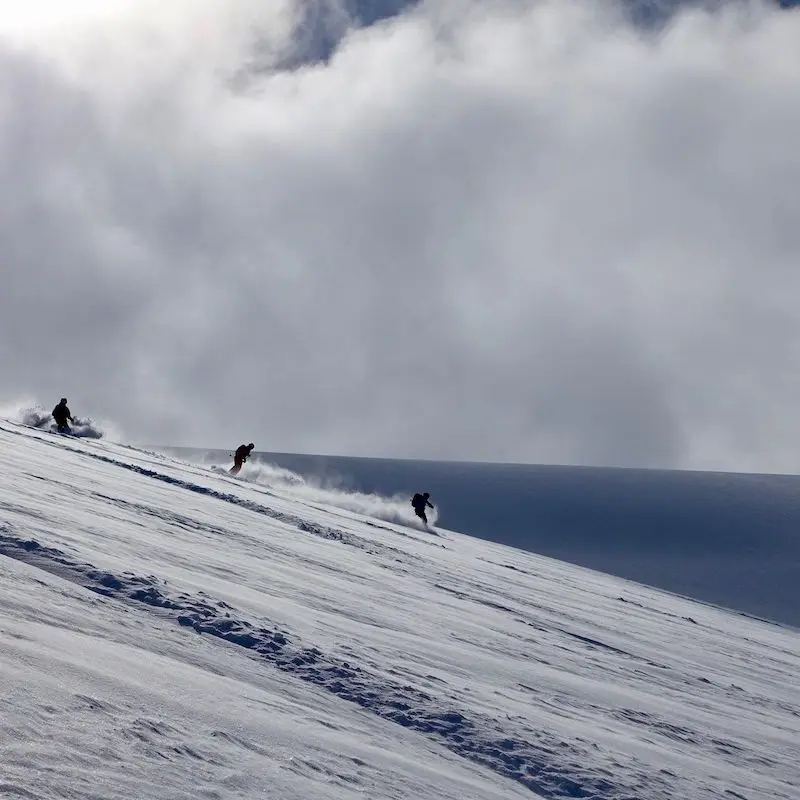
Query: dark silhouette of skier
[[241, 455], [420, 503], [61, 415]]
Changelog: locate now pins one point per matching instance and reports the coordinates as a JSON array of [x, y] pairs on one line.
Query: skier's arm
[[430, 504]]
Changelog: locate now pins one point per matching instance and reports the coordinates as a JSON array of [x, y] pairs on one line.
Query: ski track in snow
[[560, 681], [479, 738]]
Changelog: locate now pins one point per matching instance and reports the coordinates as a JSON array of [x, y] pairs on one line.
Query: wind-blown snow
[[169, 631], [314, 491], [34, 416]]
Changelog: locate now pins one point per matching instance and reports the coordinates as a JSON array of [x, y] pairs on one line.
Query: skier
[[61, 414], [241, 455], [420, 502]]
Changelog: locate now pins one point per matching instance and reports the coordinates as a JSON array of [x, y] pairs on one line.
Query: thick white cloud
[[520, 231]]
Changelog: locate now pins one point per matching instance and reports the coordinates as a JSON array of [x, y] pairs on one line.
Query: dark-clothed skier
[[241, 455], [420, 502], [61, 415]]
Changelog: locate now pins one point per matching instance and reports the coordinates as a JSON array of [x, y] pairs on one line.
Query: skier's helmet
[[250, 446], [63, 401]]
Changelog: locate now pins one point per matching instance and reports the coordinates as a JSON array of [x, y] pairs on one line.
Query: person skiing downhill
[[420, 502], [241, 455], [61, 415]]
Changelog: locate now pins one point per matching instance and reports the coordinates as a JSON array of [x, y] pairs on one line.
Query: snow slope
[[170, 632], [725, 538]]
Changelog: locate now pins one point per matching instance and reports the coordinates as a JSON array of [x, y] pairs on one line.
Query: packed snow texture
[[167, 630]]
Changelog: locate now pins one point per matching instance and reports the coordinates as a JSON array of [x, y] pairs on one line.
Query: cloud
[[500, 231]]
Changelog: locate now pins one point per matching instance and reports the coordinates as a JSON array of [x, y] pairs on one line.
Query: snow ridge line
[[471, 735]]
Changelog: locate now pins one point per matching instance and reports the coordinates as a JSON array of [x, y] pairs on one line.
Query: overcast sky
[[517, 231]]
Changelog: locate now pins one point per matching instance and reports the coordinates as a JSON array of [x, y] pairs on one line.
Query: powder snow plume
[[30, 413], [314, 491]]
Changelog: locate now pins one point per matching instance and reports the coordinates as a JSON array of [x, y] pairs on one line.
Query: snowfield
[[167, 631]]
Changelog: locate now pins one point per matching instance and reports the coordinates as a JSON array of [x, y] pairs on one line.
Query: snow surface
[[167, 631], [724, 538]]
